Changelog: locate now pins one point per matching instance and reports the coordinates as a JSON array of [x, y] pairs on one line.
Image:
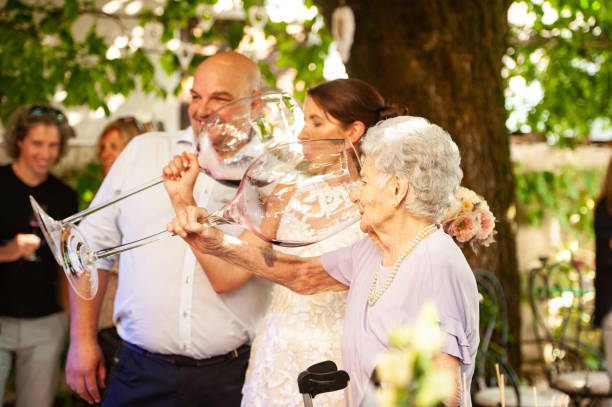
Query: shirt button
[[185, 314], [184, 347], [187, 280]]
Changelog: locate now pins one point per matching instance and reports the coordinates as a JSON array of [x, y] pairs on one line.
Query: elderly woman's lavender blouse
[[435, 270]]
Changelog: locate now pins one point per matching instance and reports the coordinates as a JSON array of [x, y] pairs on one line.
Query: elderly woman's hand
[[188, 221], [180, 175], [190, 224]]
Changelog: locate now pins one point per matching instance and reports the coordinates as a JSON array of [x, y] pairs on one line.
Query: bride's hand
[[179, 176]]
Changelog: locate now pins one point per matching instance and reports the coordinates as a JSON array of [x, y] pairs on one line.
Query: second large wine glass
[[294, 194], [231, 138]]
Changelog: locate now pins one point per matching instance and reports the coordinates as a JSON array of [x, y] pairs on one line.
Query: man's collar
[[186, 137]]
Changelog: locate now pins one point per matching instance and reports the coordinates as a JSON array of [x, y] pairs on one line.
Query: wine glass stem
[[111, 251], [77, 217], [212, 219]]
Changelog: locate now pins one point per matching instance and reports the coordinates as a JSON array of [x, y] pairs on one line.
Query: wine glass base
[[79, 262], [51, 230]]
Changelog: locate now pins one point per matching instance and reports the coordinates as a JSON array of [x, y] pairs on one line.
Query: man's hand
[[22, 245], [85, 371], [180, 175]]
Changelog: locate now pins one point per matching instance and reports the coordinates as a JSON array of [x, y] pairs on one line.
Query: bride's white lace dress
[[298, 330]]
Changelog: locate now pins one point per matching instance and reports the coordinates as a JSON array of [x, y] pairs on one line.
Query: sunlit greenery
[[41, 54], [567, 195], [565, 46]]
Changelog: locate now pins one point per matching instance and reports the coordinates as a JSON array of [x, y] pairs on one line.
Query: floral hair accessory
[[469, 220]]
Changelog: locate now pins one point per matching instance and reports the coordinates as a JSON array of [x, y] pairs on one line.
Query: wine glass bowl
[[50, 228], [298, 193], [236, 134], [68, 246]]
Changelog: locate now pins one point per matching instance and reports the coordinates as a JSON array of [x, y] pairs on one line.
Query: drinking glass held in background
[[230, 139]]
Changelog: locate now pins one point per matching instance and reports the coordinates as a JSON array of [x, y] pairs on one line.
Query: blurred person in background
[[603, 266], [115, 137], [33, 324]]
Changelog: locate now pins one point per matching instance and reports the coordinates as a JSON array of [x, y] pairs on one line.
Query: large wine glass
[[235, 135], [231, 138], [304, 183]]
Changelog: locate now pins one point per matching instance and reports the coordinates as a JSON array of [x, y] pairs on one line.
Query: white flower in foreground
[[436, 387], [407, 371], [387, 397], [395, 367]]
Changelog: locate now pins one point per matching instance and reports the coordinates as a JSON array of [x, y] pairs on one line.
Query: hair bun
[[392, 110]]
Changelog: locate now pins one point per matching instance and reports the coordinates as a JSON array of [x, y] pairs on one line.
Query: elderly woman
[[409, 176]]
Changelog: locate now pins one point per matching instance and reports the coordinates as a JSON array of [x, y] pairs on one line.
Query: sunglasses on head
[[41, 110], [132, 119]]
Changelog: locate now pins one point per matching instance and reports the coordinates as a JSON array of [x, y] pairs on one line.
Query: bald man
[[184, 344]]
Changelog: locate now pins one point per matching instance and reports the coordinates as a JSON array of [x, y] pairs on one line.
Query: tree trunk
[[443, 59]]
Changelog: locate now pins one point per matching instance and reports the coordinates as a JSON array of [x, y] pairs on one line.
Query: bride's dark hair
[[349, 100]]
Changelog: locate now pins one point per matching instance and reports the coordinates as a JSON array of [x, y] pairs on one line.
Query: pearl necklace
[[374, 295]]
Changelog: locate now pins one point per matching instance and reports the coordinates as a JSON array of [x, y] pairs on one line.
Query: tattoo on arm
[[269, 256]]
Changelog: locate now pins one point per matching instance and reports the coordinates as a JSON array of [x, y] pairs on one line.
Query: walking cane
[[320, 378]]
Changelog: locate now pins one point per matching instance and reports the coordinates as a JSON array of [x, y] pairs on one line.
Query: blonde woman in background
[[115, 137]]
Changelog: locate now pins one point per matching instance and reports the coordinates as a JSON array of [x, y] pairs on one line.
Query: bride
[[300, 330]]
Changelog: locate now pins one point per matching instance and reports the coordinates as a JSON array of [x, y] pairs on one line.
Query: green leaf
[[70, 10], [168, 62], [50, 23], [236, 31]]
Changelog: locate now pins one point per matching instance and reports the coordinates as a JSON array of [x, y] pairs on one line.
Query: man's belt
[[180, 360]]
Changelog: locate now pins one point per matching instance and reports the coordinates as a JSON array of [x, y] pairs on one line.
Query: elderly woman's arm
[[449, 363], [302, 275]]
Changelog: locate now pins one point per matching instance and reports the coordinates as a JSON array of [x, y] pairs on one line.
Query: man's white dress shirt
[[164, 301]]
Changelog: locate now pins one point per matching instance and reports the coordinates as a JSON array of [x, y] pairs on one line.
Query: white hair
[[424, 154]]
